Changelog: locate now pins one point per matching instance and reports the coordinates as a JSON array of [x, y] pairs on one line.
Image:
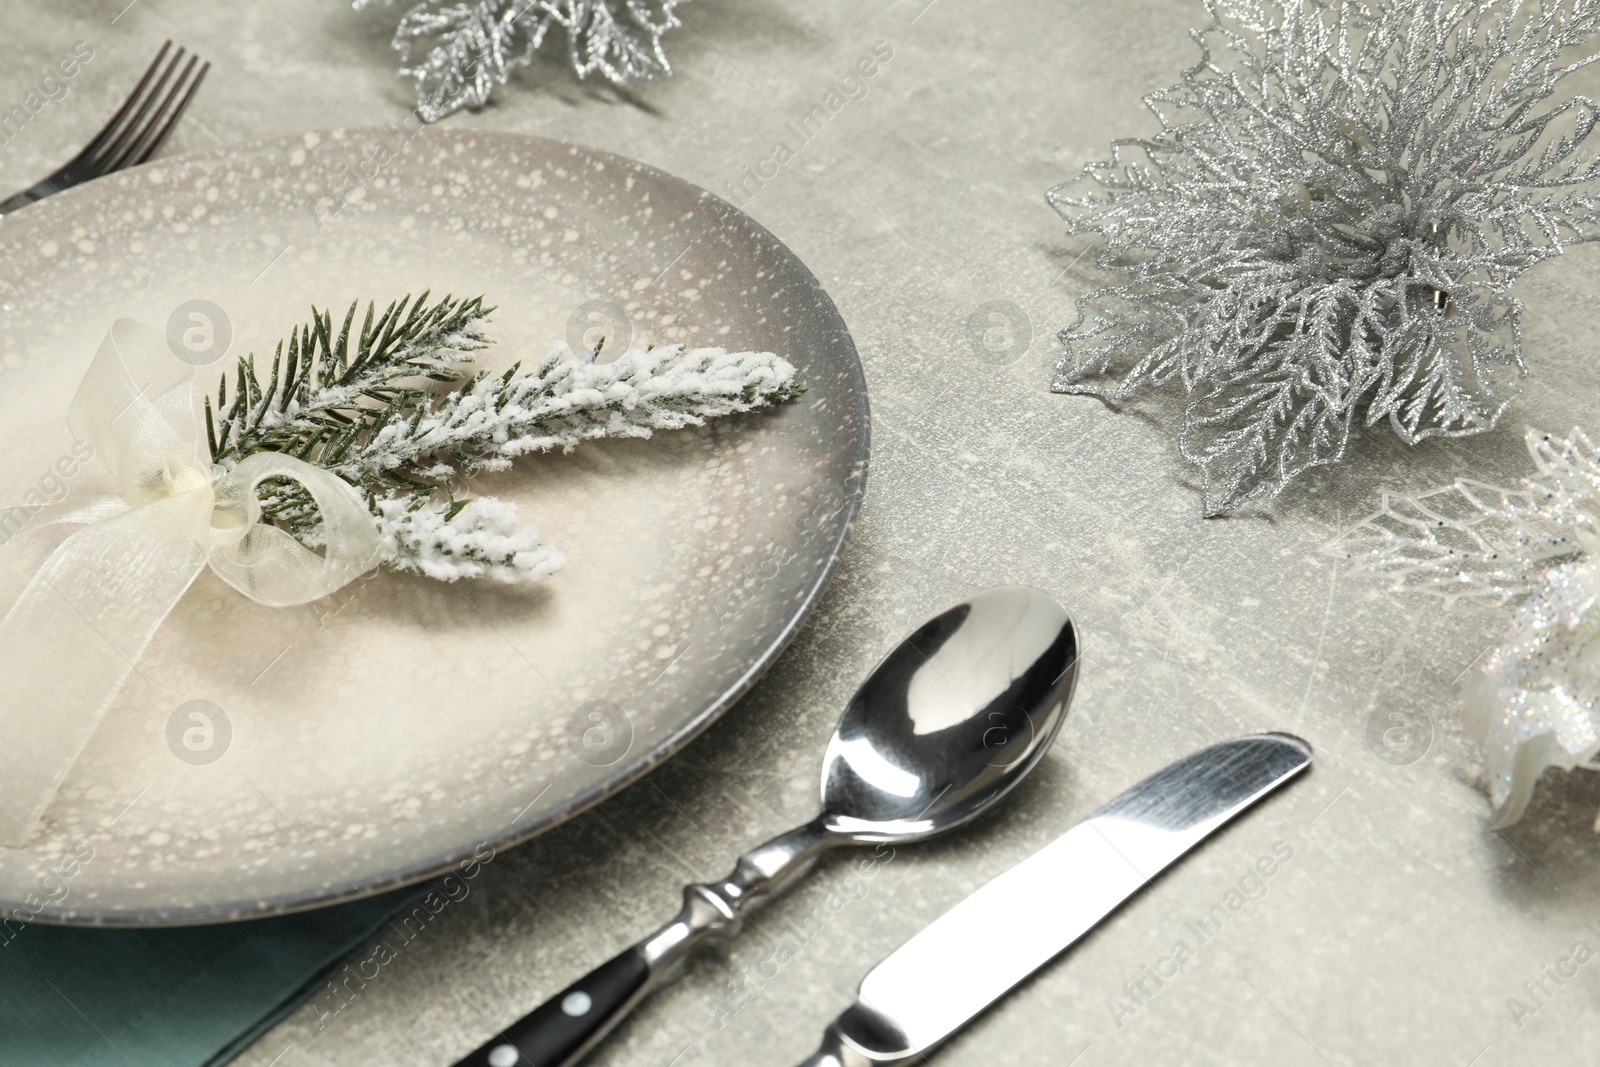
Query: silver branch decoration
[[1328, 225], [1536, 701], [457, 52]]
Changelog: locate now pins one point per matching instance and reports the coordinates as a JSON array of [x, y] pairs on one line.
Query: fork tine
[[114, 155], [159, 134], [104, 135], [133, 134]]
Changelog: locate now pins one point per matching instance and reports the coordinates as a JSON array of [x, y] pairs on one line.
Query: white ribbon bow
[[88, 613]]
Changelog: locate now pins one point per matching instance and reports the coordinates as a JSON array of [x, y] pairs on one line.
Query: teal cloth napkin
[[177, 997]]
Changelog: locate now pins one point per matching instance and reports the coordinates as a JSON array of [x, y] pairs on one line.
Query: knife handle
[[563, 1029]]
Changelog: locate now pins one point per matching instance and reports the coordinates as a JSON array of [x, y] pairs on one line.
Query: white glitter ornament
[[1536, 701]]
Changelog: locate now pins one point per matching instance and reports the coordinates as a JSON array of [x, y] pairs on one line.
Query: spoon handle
[[563, 1029]]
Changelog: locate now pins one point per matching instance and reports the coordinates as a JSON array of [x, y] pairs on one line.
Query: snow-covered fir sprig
[[325, 394], [493, 419], [1327, 226], [458, 51], [398, 412], [483, 538]]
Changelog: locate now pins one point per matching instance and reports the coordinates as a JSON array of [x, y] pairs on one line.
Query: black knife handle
[[558, 1032]]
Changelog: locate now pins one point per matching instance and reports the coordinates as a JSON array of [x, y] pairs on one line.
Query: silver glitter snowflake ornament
[[1328, 224], [1536, 701], [458, 52]]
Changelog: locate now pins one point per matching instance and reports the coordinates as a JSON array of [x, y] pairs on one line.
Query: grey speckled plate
[[378, 737]]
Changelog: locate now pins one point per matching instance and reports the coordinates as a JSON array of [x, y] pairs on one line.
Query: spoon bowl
[[952, 719]]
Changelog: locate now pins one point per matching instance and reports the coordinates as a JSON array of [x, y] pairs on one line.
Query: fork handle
[[24, 198]]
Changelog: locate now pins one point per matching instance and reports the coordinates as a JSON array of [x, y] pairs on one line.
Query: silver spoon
[[941, 730]]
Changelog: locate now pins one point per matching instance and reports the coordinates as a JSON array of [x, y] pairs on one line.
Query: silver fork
[[134, 132]]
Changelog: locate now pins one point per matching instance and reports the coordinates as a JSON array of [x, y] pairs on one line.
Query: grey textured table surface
[[1398, 929]]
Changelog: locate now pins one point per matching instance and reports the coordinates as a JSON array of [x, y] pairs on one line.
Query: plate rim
[[629, 770]]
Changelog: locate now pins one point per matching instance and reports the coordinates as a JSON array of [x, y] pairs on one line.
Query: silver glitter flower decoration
[[457, 51], [1328, 224], [1536, 703]]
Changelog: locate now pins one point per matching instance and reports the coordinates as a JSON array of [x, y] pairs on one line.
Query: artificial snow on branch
[[482, 538], [1328, 224], [397, 411], [458, 51]]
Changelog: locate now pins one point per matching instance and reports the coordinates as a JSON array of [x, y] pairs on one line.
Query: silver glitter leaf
[[458, 51], [1328, 224], [622, 49]]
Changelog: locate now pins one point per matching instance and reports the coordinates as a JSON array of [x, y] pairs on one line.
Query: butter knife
[[970, 956]]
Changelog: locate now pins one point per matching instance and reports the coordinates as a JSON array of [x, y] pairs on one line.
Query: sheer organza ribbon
[[87, 614]]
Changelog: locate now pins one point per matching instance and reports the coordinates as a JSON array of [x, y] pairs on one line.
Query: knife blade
[[970, 956]]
